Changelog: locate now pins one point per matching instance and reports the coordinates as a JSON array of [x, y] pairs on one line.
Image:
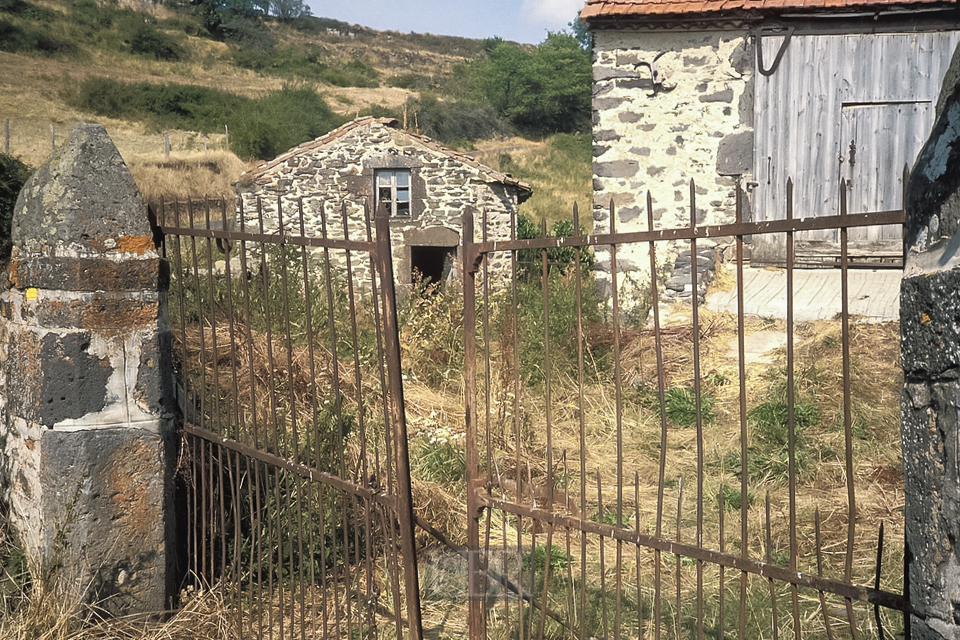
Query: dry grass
[[210, 174]]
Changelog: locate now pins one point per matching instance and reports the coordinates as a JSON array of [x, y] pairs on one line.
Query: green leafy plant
[[681, 406], [439, 457]]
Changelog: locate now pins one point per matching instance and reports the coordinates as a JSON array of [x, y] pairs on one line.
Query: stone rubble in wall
[[679, 286]]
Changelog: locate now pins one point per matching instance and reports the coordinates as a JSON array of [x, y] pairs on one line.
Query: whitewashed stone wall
[[697, 123], [339, 175]]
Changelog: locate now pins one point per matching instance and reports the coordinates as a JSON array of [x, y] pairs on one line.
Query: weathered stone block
[[725, 95], [735, 153], [101, 498], [616, 168]]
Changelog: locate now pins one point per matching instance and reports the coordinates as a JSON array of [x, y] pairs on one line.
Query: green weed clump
[[439, 456], [681, 406]]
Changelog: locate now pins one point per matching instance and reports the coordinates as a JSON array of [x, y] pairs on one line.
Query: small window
[[393, 190]]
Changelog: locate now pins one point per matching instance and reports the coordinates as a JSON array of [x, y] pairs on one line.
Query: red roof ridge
[[623, 8]]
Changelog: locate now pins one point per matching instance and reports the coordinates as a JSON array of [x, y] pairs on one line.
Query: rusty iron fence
[[616, 514], [592, 509], [294, 454]]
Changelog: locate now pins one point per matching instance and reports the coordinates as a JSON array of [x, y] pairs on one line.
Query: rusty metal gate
[[294, 465], [597, 510], [625, 477]]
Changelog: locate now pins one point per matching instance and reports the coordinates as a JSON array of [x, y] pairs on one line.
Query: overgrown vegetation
[[260, 128], [13, 175]]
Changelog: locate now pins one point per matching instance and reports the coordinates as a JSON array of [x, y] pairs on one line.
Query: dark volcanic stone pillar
[[87, 428], [930, 350]]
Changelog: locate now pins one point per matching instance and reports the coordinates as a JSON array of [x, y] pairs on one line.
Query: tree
[[289, 9], [578, 29], [541, 91]]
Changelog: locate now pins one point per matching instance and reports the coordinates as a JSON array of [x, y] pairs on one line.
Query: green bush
[[558, 258], [279, 121], [452, 121], [562, 308], [17, 39], [546, 90], [306, 63], [260, 128], [148, 41], [13, 175]]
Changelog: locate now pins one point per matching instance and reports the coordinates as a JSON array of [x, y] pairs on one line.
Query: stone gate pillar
[[930, 351], [87, 428]]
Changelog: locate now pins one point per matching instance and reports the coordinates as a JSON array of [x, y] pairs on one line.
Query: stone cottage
[[755, 92], [424, 185]]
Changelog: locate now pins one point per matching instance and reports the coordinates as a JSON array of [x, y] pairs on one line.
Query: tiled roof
[[433, 145], [625, 8]]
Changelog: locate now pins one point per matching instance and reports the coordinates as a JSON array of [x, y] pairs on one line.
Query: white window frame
[[393, 186]]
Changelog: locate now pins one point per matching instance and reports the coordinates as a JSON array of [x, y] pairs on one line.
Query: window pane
[[403, 195], [384, 178], [403, 208], [403, 178]]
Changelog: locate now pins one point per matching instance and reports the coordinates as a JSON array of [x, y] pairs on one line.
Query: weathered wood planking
[[876, 89]]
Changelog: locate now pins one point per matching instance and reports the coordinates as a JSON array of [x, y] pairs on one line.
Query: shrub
[[558, 258], [450, 121], [13, 175], [148, 41], [260, 128], [279, 121]]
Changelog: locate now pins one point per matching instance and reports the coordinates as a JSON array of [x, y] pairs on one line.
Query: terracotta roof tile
[[620, 8], [431, 144]]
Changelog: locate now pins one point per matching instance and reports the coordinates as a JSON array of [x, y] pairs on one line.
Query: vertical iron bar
[[639, 559], [661, 391], [603, 567], [722, 550], [477, 630], [847, 410], [488, 384], [823, 601], [791, 418], [768, 553], [677, 622], [742, 375], [876, 583], [694, 280], [581, 423], [392, 347]]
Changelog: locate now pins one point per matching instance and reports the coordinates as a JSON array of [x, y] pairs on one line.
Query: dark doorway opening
[[433, 263]]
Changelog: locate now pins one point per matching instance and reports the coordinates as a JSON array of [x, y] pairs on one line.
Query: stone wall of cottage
[[653, 132], [334, 181]]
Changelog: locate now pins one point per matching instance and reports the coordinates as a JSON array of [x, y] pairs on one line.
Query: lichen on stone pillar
[[86, 459]]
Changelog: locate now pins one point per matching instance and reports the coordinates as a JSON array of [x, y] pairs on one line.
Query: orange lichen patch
[[135, 244], [130, 479], [102, 312]]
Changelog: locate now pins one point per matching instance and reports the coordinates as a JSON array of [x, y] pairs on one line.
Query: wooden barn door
[[877, 140]]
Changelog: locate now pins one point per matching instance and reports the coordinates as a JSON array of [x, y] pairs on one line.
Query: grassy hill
[[155, 76]]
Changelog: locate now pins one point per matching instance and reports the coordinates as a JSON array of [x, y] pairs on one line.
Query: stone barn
[[755, 92], [424, 185]]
